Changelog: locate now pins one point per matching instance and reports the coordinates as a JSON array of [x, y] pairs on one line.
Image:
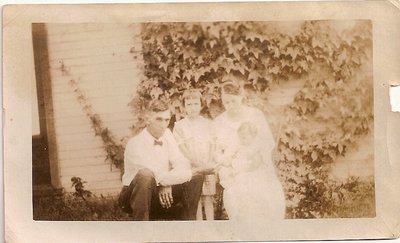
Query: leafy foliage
[[80, 190], [332, 59]]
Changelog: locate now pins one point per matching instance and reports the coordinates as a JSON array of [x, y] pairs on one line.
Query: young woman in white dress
[[244, 144]]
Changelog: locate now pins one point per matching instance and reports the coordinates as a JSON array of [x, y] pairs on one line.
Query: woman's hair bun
[[232, 88]]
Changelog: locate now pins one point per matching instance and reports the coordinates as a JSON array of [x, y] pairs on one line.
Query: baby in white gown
[[251, 187]]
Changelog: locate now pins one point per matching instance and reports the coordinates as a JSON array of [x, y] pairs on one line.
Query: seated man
[[158, 182]]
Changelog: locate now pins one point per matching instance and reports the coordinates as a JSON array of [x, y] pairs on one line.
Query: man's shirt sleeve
[[129, 157], [181, 169]]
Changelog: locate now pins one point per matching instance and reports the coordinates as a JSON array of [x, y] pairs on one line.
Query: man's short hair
[[232, 88], [158, 106]]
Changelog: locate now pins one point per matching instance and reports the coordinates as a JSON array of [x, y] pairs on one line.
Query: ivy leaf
[[237, 56], [285, 139], [188, 54], [240, 68], [242, 46], [252, 60], [332, 154], [200, 60], [214, 31], [293, 52], [284, 40], [231, 50], [228, 65], [175, 74], [348, 38], [253, 76], [303, 64], [188, 75], [197, 75], [284, 63], [314, 156], [253, 36], [309, 58], [164, 66], [176, 103], [274, 69], [356, 59], [193, 36], [306, 49], [290, 156], [256, 52], [275, 50], [342, 57], [340, 148], [208, 99], [295, 66], [212, 43], [214, 66], [156, 92], [316, 43]]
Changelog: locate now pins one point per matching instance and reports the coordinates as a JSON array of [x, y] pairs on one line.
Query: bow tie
[[156, 142]]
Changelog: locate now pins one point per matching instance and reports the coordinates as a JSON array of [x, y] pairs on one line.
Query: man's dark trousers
[[141, 200]]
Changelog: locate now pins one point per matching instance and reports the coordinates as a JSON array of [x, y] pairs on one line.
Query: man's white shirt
[[166, 161]]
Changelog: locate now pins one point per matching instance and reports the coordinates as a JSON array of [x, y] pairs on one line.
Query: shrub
[[318, 198], [69, 207], [78, 205]]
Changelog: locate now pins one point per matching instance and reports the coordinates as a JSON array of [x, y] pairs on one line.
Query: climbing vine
[[113, 147], [331, 111]]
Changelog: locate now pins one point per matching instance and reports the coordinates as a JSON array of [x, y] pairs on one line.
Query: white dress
[[249, 194], [197, 137]]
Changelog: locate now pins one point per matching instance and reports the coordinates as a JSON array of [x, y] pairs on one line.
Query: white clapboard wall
[[104, 59]]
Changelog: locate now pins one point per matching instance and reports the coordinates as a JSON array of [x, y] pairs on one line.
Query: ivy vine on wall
[[329, 113], [113, 148]]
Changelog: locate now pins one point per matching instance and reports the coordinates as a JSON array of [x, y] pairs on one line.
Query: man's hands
[[165, 196]]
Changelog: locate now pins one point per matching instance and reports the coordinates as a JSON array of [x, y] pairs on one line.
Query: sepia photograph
[[201, 122], [229, 120]]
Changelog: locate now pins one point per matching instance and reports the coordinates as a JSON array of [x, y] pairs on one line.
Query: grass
[[76, 207], [68, 207], [357, 202]]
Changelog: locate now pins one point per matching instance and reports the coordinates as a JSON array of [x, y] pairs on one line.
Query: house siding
[[104, 60]]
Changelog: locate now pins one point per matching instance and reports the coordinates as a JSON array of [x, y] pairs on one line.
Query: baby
[[251, 188], [243, 158]]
